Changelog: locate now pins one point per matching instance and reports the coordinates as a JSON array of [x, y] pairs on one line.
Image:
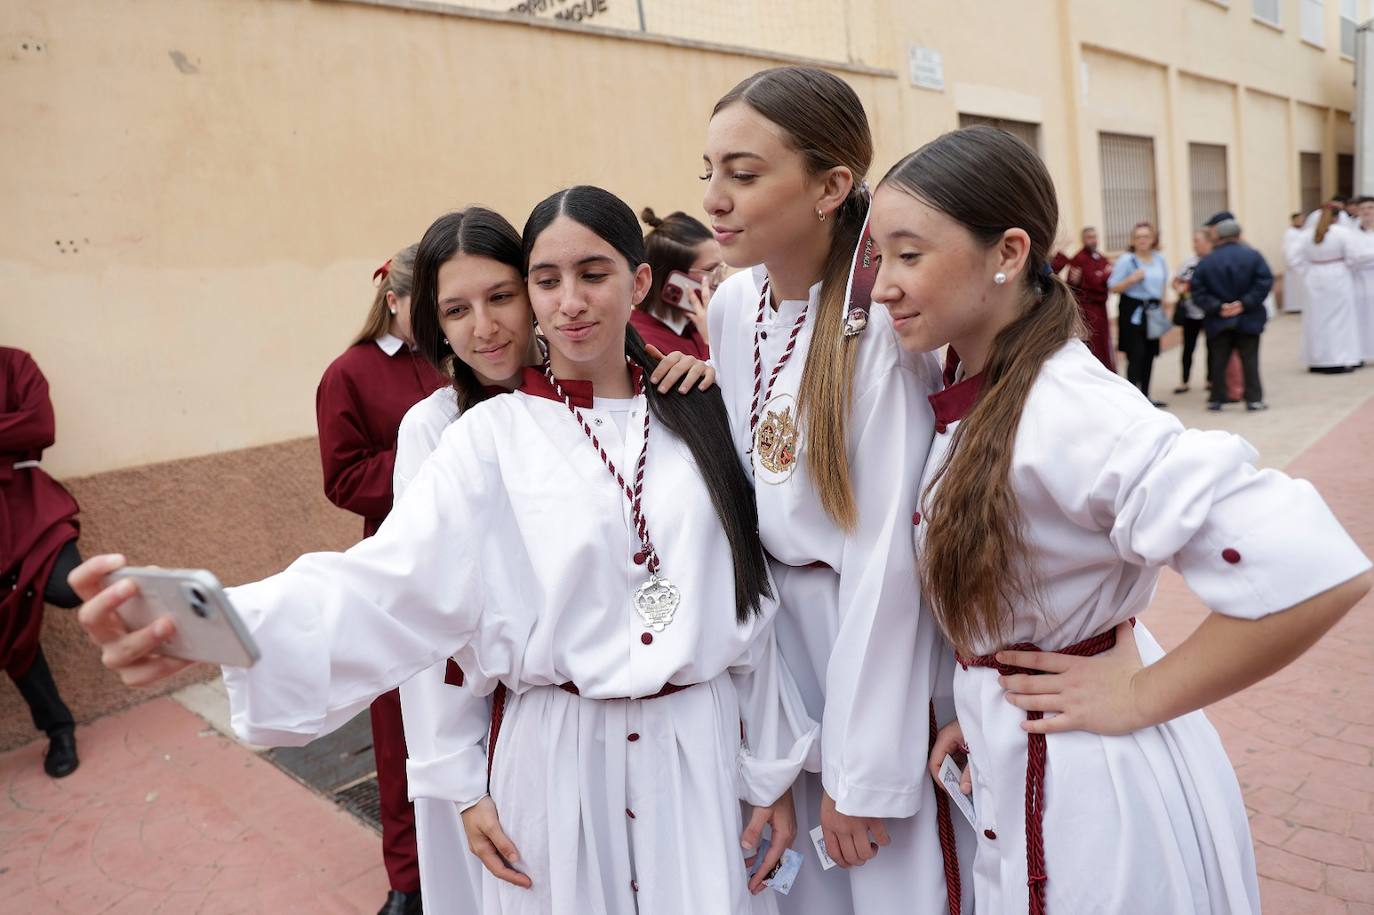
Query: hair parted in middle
[[476, 231], [697, 418], [974, 567], [822, 118]]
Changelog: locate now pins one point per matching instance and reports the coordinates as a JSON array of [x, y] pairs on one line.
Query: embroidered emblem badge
[[776, 442]]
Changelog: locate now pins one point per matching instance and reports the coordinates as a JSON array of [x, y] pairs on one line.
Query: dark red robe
[[1087, 277], [359, 405], [361, 401], [656, 333], [37, 515]]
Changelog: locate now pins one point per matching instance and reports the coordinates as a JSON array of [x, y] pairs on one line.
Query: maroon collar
[[533, 382], [953, 403]]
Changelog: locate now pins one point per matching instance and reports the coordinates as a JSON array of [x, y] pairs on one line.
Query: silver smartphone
[[208, 628]]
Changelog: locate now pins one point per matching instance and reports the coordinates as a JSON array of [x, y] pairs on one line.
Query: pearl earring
[[999, 277], [393, 312]]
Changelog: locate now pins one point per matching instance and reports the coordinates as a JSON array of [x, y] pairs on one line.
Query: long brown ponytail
[[974, 567], [824, 120]]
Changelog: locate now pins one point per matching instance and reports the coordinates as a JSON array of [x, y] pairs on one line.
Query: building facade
[[204, 188]]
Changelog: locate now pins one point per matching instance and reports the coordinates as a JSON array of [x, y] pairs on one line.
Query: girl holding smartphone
[[566, 540]]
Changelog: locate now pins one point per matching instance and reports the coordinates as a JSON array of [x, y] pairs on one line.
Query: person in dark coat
[[1230, 286], [361, 400], [38, 531]]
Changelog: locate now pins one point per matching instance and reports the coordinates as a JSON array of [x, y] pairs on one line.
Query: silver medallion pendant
[[656, 601]]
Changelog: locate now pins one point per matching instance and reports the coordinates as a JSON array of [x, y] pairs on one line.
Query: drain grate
[[363, 801]]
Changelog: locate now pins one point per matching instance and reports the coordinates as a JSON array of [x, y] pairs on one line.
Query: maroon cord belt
[[1035, 762]]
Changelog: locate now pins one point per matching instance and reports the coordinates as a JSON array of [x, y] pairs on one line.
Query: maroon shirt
[[359, 405], [1087, 277], [37, 515], [656, 333]]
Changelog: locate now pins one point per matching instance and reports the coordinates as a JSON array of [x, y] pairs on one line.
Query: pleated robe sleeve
[[337, 630], [445, 723], [881, 670], [778, 737], [1249, 542]]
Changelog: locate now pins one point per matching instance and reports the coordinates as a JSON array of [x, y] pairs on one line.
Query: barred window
[[1207, 177], [1310, 171], [1128, 187], [1022, 130]]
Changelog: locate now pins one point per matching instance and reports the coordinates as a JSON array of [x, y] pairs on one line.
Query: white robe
[[866, 656], [445, 725], [1362, 272], [1112, 489], [1330, 333], [1294, 285], [513, 550]]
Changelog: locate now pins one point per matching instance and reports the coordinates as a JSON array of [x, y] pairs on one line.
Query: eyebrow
[[589, 259], [730, 157], [905, 233]]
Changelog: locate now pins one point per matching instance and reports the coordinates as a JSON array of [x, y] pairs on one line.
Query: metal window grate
[[1128, 186], [1207, 172], [1310, 171], [1023, 130]]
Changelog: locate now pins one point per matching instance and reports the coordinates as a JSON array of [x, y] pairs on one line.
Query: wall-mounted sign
[[925, 67]]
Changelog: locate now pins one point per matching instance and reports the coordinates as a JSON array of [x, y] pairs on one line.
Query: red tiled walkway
[[166, 815], [1303, 740]]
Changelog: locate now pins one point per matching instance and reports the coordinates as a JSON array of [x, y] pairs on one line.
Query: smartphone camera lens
[[199, 603]]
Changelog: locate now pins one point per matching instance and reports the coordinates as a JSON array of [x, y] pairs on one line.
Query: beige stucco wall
[[206, 187]]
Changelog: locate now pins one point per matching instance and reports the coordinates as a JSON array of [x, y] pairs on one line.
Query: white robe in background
[[1362, 271], [1294, 285], [1330, 333], [866, 655], [1111, 490], [513, 550], [445, 725]]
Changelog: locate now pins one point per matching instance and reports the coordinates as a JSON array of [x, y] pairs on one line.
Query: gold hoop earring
[[820, 214]]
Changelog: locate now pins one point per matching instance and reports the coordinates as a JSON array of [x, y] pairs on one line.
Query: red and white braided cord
[[634, 493], [761, 396]]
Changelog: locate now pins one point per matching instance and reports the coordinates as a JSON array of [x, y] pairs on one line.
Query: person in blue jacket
[[1230, 286]]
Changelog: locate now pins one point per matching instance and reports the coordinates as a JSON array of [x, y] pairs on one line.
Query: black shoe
[[60, 760], [1159, 403], [1256, 406], [1214, 407], [398, 903]]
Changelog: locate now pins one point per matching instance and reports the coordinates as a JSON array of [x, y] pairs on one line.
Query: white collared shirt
[[390, 343]]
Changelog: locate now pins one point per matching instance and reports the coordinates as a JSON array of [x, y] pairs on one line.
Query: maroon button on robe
[[37, 515]]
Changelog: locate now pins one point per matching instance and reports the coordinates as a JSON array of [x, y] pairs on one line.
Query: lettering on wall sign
[[570, 10]]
